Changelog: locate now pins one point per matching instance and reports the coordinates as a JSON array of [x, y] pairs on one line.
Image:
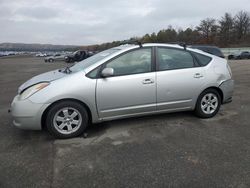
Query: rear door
[[179, 79]]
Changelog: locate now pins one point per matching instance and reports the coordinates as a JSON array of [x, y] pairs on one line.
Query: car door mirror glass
[[107, 72]]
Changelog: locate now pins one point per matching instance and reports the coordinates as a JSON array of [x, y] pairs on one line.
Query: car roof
[[127, 46], [200, 45]]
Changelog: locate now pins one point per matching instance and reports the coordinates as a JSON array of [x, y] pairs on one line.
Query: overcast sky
[[82, 22]]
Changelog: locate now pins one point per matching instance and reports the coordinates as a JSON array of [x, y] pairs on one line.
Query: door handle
[[148, 81], [198, 75]]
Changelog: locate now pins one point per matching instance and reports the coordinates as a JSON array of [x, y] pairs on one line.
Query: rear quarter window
[[202, 59], [217, 52]]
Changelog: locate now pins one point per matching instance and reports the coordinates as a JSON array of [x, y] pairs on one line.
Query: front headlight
[[32, 89]]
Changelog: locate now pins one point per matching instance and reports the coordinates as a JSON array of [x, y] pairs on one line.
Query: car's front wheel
[[66, 119], [208, 103]]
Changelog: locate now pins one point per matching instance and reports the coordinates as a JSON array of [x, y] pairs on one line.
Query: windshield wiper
[[66, 70]]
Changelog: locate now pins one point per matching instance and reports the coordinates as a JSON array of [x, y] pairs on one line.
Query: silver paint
[[123, 96]]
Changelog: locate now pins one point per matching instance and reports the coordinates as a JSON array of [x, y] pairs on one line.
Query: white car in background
[[56, 57], [41, 55]]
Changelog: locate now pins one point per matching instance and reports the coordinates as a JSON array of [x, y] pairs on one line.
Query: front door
[[132, 89]]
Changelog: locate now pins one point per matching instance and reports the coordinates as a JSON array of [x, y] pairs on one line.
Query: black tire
[[51, 123], [67, 59], [51, 60], [198, 109]]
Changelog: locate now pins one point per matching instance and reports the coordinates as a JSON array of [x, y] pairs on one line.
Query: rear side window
[[170, 59], [203, 60]]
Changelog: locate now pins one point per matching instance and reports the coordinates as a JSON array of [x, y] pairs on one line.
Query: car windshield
[[93, 59]]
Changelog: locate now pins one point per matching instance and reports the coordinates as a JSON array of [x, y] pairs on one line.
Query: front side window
[[170, 59], [134, 62]]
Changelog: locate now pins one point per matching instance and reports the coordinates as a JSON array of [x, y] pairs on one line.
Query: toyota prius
[[121, 82]]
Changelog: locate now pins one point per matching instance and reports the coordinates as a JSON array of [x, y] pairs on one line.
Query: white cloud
[[97, 21]]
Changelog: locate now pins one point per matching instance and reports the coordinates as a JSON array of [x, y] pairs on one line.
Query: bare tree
[[231, 31], [208, 29], [226, 29], [241, 24]]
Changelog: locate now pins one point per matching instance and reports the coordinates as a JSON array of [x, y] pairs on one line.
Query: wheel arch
[[43, 119], [215, 88]]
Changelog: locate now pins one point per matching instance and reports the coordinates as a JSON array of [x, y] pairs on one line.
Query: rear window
[[210, 49], [216, 51], [203, 60]]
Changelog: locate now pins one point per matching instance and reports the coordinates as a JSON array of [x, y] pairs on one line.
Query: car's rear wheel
[[208, 103], [66, 119], [51, 60]]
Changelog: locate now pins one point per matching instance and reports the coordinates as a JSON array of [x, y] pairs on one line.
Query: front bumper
[[227, 88], [26, 114]]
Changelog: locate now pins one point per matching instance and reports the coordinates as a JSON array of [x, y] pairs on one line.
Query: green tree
[[146, 39]]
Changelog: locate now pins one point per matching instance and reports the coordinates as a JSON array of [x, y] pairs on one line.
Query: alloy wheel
[[209, 103], [67, 120]]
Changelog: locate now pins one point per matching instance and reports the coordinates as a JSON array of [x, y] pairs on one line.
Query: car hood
[[45, 77]]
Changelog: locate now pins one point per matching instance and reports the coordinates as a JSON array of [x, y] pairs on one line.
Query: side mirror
[[107, 72]]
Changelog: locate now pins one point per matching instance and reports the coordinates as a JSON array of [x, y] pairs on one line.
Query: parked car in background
[[240, 55], [209, 49], [56, 57], [2, 54], [124, 81], [41, 55], [77, 56]]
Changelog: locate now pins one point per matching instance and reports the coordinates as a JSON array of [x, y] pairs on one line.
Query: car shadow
[[98, 129]]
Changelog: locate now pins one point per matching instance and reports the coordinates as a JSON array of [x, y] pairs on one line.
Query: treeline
[[36, 47], [228, 31]]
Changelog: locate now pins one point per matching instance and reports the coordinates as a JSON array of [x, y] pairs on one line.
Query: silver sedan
[[124, 81]]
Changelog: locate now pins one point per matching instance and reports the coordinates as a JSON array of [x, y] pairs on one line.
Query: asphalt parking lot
[[169, 150]]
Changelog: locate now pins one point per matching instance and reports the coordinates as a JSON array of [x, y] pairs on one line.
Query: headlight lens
[[32, 89]]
